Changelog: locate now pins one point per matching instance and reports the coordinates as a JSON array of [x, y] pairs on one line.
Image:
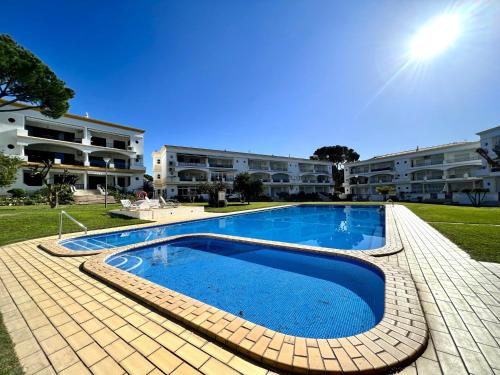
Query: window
[[119, 144], [11, 120], [158, 176], [158, 161], [10, 147], [31, 180], [137, 178]]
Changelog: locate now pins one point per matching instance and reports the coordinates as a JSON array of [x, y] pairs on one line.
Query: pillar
[[86, 161], [22, 154]]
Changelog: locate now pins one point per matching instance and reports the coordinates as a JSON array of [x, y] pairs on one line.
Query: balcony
[[321, 169], [357, 170], [192, 179], [220, 165], [114, 163], [380, 169], [258, 167], [462, 159], [191, 164], [57, 135], [279, 167], [427, 162]]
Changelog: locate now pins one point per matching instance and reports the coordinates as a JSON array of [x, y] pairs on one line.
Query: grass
[[473, 229], [21, 223], [456, 214], [482, 242], [9, 365]]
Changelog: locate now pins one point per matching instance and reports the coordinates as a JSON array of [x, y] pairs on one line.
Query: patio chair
[[153, 203], [127, 205], [168, 203]]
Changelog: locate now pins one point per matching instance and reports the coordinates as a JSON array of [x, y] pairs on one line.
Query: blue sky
[[275, 77]]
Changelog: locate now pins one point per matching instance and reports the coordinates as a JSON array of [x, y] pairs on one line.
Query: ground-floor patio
[[64, 321]]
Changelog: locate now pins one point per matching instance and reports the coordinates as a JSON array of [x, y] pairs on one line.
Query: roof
[[81, 118], [418, 150], [247, 154], [488, 130]]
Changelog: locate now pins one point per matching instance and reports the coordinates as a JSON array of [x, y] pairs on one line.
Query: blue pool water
[[333, 226], [293, 292]]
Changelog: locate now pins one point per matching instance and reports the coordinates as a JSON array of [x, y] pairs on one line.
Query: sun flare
[[435, 37]]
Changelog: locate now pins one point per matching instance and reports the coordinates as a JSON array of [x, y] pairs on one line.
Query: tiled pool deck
[[64, 321]]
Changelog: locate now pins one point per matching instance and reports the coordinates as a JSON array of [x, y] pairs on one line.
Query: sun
[[436, 36]]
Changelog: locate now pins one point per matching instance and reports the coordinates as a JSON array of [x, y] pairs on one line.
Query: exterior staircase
[[91, 197]]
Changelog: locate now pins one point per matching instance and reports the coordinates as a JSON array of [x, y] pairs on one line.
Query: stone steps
[[92, 199]]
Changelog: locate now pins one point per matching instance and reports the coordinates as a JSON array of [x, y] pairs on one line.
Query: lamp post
[[106, 162]]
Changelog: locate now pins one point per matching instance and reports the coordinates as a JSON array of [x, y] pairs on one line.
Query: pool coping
[[397, 340], [393, 243]]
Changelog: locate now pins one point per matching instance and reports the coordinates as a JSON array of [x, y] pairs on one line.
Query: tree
[[54, 190], [248, 186], [338, 155], [147, 184], [25, 78], [476, 195], [213, 189], [8, 169], [385, 190]]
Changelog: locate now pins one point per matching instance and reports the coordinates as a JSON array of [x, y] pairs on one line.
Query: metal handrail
[[72, 219]]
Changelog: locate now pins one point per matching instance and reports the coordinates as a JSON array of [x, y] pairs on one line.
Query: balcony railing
[[192, 179], [258, 167], [220, 165], [321, 170], [428, 177], [378, 169], [279, 169], [426, 162], [462, 159], [190, 164], [281, 180]]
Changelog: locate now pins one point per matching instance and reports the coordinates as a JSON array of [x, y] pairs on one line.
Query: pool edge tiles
[[398, 339], [393, 243]]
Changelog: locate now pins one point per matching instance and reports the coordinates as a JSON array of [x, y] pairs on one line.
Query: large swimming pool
[[297, 293], [332, 226]]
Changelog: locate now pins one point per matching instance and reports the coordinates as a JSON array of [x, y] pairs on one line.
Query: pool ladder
[[64, 213]]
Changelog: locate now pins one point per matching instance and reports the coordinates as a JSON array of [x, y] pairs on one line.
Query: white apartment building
[[74, 143], [178, 171], [428, 173], [490, 141]]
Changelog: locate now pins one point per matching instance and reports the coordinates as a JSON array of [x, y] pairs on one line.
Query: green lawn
[[21, 223], [475, 234], [456, 214], [9, 365]]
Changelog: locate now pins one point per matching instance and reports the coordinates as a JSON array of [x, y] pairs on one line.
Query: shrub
[[17, 193]]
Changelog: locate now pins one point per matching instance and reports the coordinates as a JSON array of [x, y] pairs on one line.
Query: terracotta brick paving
[[64, 321]]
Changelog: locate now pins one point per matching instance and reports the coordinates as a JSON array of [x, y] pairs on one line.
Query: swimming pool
[[297, 293], [332, 226]]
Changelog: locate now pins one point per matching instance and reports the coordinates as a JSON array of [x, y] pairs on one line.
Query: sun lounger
[[168, 203]]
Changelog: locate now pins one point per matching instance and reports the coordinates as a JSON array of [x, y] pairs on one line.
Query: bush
[[65, 195], [17, 193], [304, 197]]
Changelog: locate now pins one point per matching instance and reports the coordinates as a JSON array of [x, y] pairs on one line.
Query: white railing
[[64, 213]]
